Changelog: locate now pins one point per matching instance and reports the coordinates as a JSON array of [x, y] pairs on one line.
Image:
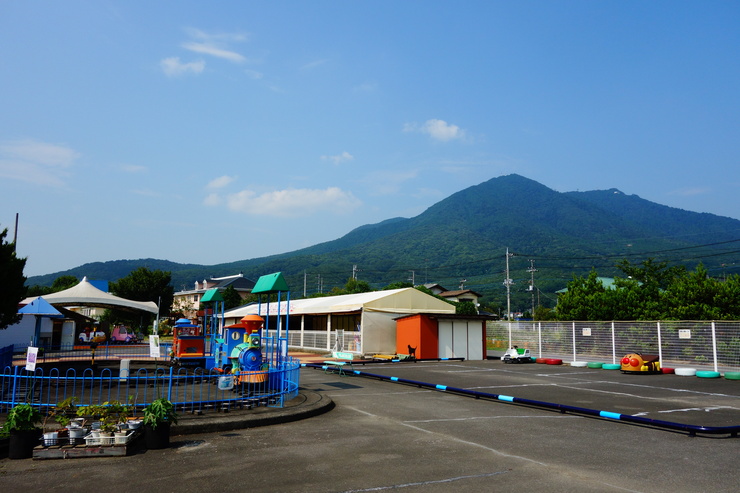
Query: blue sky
[[210, 132]]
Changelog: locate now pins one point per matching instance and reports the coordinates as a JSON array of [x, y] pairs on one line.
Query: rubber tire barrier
[[667, 370], [553, 361], [685, 372], [707, 374], [732, 375], [540, 360], [578, 364], [611, 366], [595, 364]]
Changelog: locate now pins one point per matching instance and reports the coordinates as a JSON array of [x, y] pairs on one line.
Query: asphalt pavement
[[353, 434]]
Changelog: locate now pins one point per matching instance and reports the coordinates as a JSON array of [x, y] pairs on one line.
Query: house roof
[[405, 300], [85, 294], [459, 292]]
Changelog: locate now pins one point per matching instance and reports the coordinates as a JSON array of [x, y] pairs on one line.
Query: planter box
[[92, 447]]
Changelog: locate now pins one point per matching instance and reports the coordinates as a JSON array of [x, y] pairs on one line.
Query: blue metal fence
[[190, 390]]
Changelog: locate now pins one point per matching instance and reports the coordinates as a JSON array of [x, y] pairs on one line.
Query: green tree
[[231, 298], [693, 297], [466, 308], [12, 282], [64, 282], [583, 299], [142, 284]]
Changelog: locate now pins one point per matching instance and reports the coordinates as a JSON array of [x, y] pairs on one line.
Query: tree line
[[650, 291]]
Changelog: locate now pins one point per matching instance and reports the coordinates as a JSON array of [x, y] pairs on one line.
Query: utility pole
[[355, 270], [508, 282], [532, 270], [462, 284], [412, 278]]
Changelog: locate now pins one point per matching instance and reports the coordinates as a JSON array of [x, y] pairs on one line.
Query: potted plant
[[62, 413], [158, 417], [116, 420], [94, 413], [20, 425]]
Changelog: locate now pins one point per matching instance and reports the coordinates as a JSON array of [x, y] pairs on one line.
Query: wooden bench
[[344, 359]]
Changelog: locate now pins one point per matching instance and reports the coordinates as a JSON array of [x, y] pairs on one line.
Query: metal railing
[[702, 344], [190, 390]]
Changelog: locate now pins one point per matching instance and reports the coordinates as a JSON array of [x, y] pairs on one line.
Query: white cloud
[[215, 44], [39, 152], [339, 158], [209, 49], [220, 182], [212, 200], [437, 129], [288, 203], [36, 162], [173, 67]]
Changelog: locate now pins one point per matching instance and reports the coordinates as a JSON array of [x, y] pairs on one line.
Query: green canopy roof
[[271, 283], [212, 295]]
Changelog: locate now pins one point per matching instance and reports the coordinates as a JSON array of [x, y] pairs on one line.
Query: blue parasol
[[39, 308]]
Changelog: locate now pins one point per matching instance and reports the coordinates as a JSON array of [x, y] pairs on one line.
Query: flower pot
[[106, 438], [157, 438], [51, 438], [134, 424], [76, 434], [121, 437], [22, 443]]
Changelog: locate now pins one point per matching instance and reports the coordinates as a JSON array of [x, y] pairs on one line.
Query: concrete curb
[[306, 405]]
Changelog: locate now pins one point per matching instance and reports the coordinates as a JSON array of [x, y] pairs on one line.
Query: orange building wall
[[418, 331]]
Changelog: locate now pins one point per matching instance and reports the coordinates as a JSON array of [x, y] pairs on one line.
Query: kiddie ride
[[517, 355], [239, 353], [638, 363]]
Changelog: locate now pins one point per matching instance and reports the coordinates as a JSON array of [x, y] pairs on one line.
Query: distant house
[[458, 296], [187, 302]]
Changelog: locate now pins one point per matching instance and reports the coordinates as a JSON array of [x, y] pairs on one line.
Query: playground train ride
[[640, 363], [240, 352], [188, 343]]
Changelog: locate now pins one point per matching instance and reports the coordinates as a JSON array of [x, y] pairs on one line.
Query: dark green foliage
[[12, 282], [466, 236], [466, 308], [160, 411], [22, 417], [142, 284], [231, 298], [652, 291]]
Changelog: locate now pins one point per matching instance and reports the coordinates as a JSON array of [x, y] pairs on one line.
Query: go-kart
[[517, 355]]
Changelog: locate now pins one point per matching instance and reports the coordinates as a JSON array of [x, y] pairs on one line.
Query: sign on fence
[[154, 350], [31, 356]]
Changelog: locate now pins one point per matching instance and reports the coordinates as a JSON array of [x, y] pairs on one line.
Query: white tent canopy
[[85, 294], [399, 301]]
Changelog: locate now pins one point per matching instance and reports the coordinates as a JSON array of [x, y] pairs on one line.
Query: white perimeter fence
[[711, 345]]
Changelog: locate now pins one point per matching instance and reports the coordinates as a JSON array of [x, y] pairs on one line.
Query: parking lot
[[384, 436]]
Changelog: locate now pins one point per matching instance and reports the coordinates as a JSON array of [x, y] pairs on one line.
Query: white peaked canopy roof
[[85, 294], [405, 300]]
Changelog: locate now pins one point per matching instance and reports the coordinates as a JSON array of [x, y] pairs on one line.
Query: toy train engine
[[243, 352], [641, 363]]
